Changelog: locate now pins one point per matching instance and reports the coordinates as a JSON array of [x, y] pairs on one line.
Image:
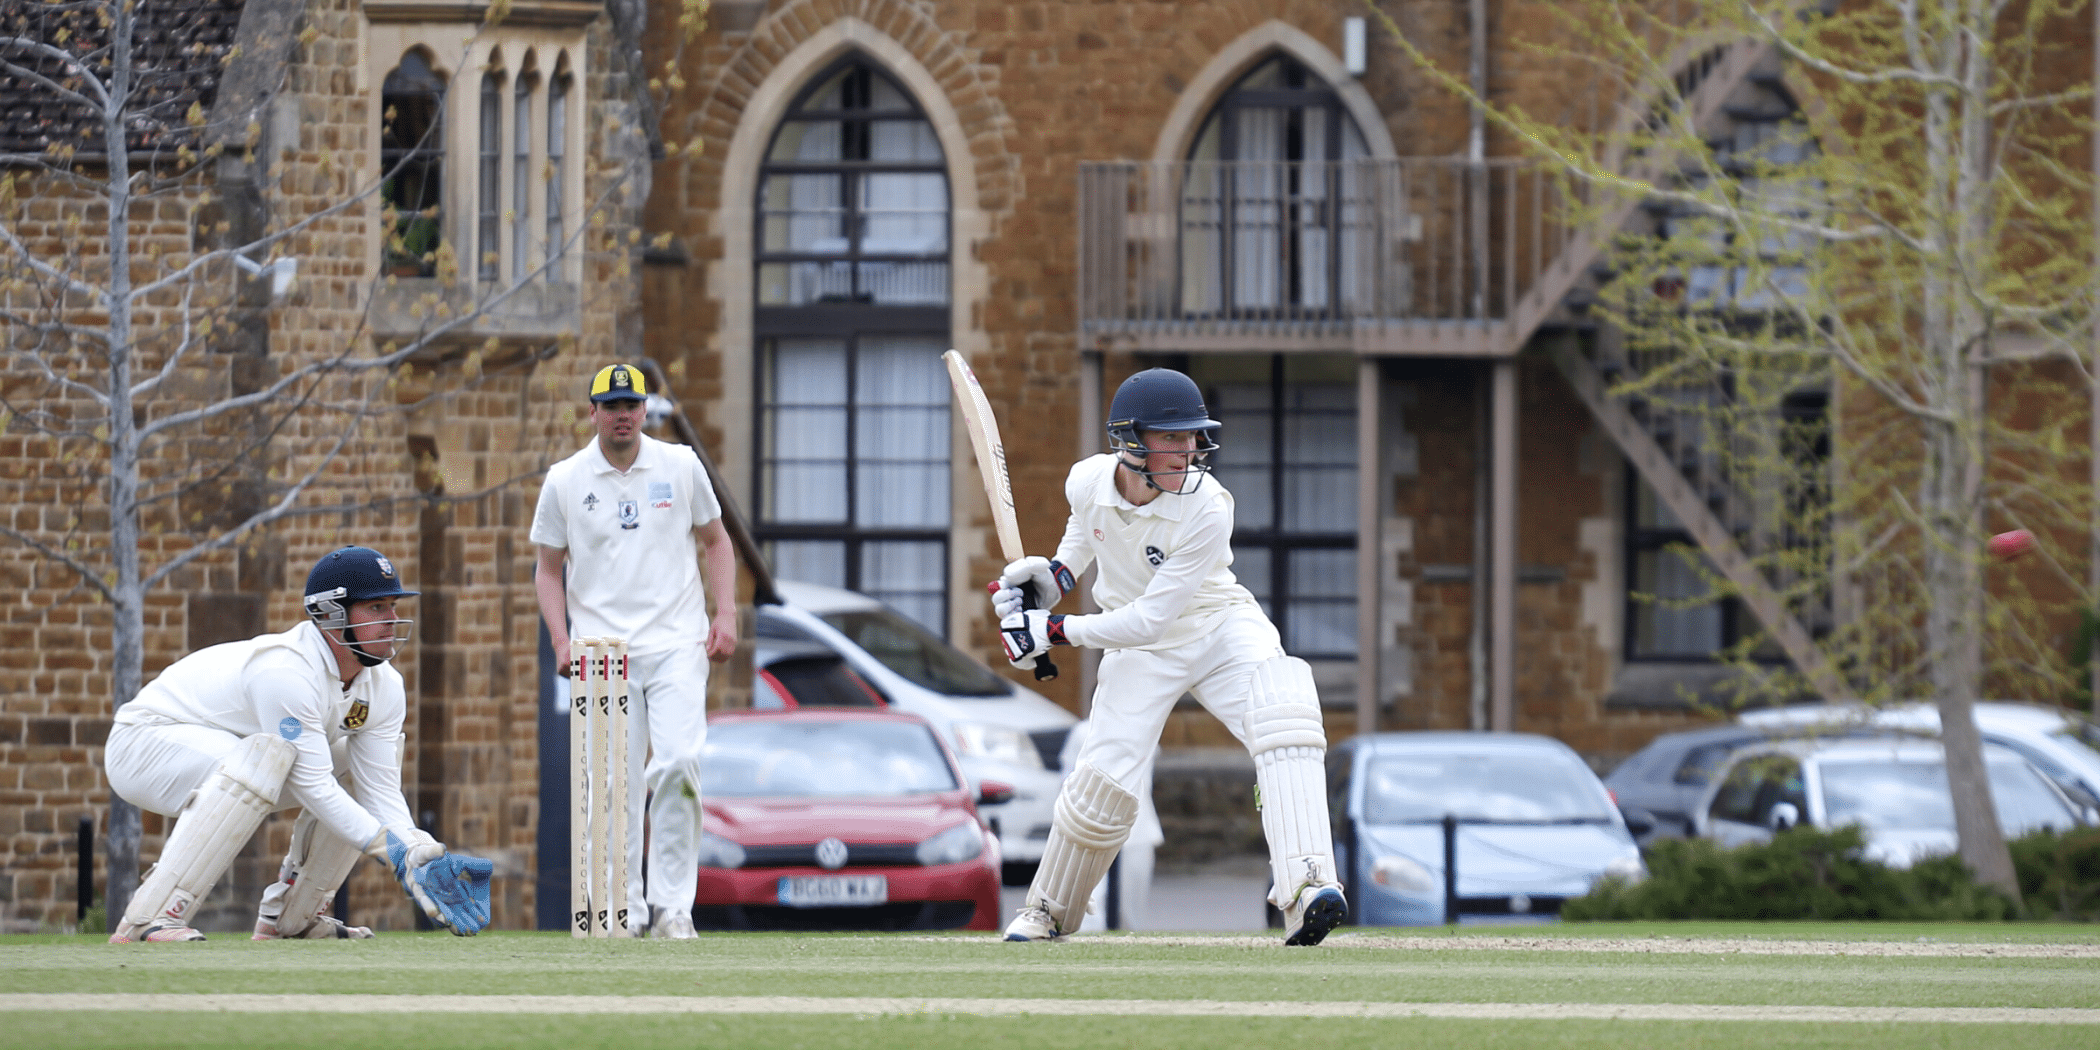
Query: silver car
[[1533, 827], [1894, 789], [1000, 730]]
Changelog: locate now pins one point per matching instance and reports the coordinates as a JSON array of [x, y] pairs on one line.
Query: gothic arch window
[[1271, 223], [412, 163], [852, 314]]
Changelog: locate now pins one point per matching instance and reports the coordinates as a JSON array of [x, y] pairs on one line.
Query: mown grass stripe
[[664, 1004]]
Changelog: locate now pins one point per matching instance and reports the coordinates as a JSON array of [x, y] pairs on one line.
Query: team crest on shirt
[[659, 495], [590, 502], [359, 711], [1155, 555], [630, 514], [1097, 534]]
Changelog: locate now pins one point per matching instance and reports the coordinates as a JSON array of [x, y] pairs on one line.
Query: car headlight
[[997, 743], [718, 852], [1402, 874], [1628, 867], [953, 846]]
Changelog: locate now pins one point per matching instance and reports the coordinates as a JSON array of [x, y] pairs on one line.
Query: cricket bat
[[991, 465]]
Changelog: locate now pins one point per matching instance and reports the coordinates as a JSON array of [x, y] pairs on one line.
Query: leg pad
[[1090, 822], [222, 814]]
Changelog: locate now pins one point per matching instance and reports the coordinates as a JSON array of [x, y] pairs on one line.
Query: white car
[[2060, 743], [1000, 730], [1894, 788]]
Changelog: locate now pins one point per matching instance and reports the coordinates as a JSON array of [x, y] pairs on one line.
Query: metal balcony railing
[[1413, 255]]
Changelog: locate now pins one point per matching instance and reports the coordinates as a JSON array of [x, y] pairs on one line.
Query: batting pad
[[1290, 770], [314, 868], [1090, 822], [226, 809]]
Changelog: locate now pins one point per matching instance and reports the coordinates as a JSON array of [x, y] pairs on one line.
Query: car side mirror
[[1638, 821], [1784, 815], [992, 792]]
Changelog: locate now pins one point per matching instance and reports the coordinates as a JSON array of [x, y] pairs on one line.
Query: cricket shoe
[[673, 926], [1318, 909], [325, 927], [164, 932], [1034, 924]]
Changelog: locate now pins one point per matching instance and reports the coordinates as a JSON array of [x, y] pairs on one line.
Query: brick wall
[[455, 528]]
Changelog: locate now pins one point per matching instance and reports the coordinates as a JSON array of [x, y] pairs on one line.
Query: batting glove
[[1029, 634], [1043, 580]]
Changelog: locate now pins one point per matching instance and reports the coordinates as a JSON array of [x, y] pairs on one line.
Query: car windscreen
[[911, 651], [804, 759], [1914, 796], [1540, 788]]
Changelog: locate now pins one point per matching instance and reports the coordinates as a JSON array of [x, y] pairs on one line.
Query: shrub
[[2060, 874], [1802, 873]]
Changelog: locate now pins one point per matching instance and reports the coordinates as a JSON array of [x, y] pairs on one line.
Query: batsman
[[1173, 621], [231, 733]]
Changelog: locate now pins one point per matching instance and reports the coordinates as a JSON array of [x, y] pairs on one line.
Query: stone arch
[[980, 171], [1236, 58]]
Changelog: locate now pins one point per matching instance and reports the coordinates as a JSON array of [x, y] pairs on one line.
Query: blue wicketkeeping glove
[[454, 891], [451, 888]]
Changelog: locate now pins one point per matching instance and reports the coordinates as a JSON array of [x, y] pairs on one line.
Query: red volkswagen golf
[[840, 819]]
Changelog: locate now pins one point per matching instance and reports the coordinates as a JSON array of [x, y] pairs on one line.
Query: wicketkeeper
[[1173, 621], [233, 732]]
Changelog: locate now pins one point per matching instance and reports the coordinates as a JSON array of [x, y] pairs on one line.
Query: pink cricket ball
[[2006, 546]]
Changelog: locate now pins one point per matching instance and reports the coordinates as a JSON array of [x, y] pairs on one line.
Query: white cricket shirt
[[634, 571], [1165, 571], [288, 684]]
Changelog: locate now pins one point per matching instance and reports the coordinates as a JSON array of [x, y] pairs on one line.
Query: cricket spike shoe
[[165, 932], [1317, 910], [1033, 924], [326, 927], [673, 926]]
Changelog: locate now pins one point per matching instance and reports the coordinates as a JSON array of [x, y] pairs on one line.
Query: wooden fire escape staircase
[[1669, 439]]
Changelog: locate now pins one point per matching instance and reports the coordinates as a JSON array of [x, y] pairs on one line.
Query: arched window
[[1272, 227], [521, 176], [1269, 219], [412, 163], [488, 241], [557, 157], [852, 316]]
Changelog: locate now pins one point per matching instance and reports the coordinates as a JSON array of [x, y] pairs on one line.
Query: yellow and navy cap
[[619, 383]]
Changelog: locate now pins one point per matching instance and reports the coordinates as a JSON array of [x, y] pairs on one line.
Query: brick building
[[1435, 496], [1068, 192], [508, 283]]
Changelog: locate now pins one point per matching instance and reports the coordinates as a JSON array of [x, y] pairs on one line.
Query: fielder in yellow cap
[[616, 527]]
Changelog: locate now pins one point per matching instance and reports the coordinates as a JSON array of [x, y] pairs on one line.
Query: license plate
[[834, 891]]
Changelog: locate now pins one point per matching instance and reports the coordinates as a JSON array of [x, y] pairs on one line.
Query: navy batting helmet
[[345, 577], [1161, 399]]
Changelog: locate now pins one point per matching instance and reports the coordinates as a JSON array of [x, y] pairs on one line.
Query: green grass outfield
[[1599, 985]]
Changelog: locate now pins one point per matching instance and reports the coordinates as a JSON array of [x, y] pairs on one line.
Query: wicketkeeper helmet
[[345, 577], [1161, 399]]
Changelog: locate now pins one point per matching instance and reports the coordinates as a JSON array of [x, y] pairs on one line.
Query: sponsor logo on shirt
[[359, 711], [289, 728], [630, 514], [1155, 555], [1097, 534], [659, 495], [590, 502]]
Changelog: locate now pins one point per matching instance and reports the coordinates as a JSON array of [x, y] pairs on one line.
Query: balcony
[[1417, 256]]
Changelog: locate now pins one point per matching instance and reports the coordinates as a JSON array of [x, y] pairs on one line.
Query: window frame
[[847, 322], [1278, 540]]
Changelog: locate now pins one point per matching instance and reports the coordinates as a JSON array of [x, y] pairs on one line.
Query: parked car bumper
[[948, 896]]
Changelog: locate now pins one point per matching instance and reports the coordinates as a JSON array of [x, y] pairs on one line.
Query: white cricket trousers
[[667, 721], [1138, 688], [156, 766]]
